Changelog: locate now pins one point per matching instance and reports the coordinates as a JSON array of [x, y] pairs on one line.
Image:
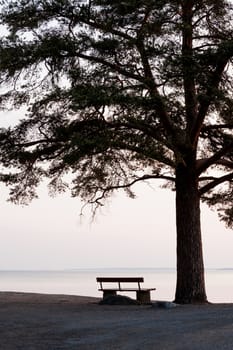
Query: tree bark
[[190, 287]]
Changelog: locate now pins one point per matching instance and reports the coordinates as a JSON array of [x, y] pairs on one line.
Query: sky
[[50, 235]]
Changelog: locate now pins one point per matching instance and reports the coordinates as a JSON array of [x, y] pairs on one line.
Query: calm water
[[219, 282]]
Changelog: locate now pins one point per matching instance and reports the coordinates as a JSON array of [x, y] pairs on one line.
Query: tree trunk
[[190, 287]]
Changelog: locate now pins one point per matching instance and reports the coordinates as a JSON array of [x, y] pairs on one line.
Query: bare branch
[[143, 178]]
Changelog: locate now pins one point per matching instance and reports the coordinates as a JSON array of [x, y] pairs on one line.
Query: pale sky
[[48, 233]]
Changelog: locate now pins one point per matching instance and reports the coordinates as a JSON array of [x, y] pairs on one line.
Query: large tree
[[118, 92]]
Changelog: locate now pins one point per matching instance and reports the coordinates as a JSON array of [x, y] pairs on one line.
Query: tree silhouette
[[119, 92]]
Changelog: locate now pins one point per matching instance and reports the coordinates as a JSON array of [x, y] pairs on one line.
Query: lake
[[219, 282]]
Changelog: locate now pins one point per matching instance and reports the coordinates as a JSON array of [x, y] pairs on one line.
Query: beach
[[31, 321]]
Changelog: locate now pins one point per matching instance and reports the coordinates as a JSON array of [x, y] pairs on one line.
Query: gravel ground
[[53, 322]]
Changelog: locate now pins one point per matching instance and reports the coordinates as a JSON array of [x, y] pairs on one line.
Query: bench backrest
[[120, 279]]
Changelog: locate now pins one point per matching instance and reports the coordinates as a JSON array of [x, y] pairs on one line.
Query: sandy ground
[[54, 322]]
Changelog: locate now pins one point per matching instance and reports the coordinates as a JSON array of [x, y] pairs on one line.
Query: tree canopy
[[118, 92], [114, 95]]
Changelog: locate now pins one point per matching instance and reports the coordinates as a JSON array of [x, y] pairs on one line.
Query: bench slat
[[120, 279]]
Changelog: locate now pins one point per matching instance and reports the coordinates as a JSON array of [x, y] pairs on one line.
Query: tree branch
[[143, 178], [107, 29], [216, 127], [187, 59], [226, 163], [203, 164], [216, 182], [222, 59], [115, 67], [207, 178], [34, 143], [150, 82]]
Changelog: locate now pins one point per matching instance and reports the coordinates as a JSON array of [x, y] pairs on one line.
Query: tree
[[119, 92]]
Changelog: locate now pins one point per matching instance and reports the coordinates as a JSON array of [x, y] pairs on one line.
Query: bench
[[142, 294]]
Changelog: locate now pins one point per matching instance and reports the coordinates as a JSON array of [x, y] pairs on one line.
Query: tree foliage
[[117, 92]]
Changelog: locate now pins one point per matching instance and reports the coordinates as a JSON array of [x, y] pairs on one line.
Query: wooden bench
[[142, 294]]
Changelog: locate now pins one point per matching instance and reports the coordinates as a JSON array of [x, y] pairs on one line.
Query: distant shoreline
[[106, 269]]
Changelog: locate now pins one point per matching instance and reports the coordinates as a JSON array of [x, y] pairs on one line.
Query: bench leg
[[106, 293], [143, 296]]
